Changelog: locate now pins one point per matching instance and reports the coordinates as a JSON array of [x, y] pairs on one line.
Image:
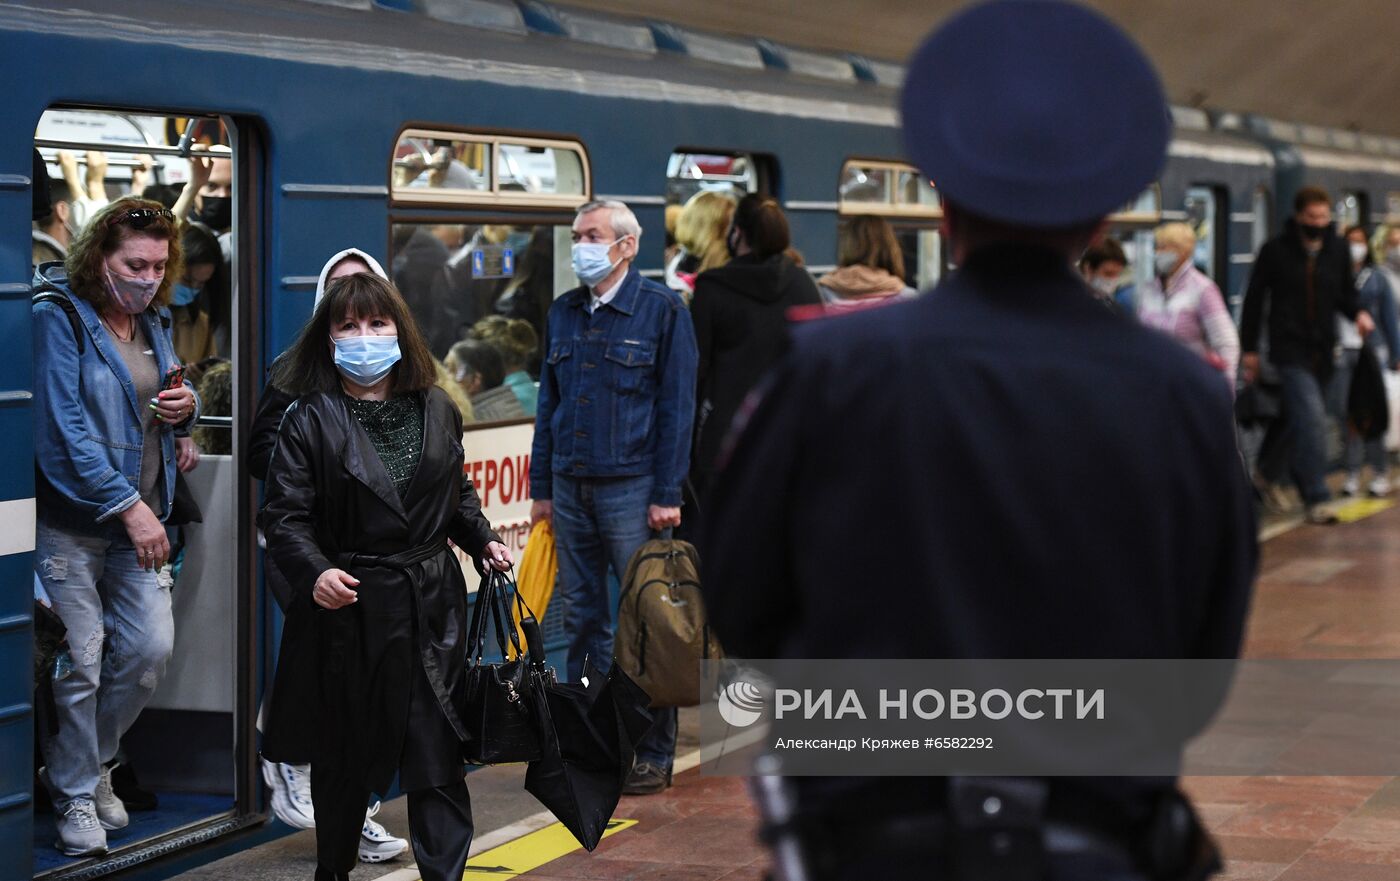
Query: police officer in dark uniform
[[999, 468]]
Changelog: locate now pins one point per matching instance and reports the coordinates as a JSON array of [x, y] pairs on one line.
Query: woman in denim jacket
[[106, 409]]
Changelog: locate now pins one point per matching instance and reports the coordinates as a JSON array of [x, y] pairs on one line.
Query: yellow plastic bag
[[536, 572]]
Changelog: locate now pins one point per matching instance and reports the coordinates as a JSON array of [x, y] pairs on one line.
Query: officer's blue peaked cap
[[1039, 113]]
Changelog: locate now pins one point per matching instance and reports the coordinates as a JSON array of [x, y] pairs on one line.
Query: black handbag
[[497, 710]]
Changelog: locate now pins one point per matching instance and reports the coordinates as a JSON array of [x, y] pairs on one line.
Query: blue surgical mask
[[183, 295], [591, 261], [365, 360]]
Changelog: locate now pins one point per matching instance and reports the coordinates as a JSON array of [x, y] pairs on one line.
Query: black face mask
[[217, 212], [1312, 233]]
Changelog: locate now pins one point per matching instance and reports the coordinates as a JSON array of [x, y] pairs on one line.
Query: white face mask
[[1104, 285], [1164, 262], [1392, 255], [1358, 252]]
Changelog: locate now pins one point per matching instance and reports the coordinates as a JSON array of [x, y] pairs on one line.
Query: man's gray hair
[[623, 221]]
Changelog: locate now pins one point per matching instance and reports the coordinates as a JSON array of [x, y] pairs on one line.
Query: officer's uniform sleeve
[[746, 540]]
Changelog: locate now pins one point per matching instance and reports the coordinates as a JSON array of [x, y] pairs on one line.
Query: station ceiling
[[1325, 63]]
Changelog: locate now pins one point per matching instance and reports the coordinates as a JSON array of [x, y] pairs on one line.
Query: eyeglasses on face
[[140, 218]]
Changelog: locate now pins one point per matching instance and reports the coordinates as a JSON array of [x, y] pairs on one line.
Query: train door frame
[[247, 141], [1219, 194]]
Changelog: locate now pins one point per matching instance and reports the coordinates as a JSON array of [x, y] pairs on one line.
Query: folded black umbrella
[[589, 735]]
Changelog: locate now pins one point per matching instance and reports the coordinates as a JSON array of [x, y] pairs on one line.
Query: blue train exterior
[[317, 95]]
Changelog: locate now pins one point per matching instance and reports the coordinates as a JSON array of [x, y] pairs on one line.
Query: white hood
[[330, 264]]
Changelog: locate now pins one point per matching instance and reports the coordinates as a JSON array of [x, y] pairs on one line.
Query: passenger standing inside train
[[289, 782], [1102, 265], [364, 490], [1000, 428], [741, 323], [700, 233], [1376, 298], [870, 267], [612, 439], [194, 339], [1182, 302], [1303, 276], [106, 407], [518, 343]]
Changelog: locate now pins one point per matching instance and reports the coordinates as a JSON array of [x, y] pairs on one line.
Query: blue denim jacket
[[617, 390], [87, 424]]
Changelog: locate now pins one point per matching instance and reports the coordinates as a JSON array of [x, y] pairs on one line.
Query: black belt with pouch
[[998, 829]]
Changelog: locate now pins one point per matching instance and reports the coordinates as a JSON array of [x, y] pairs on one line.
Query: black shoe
[[327, 875], [646, 779], [128, 789]]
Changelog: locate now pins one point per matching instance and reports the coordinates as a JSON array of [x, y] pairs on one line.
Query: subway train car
[[453, 141]]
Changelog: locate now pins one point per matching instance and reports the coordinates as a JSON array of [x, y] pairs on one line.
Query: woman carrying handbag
[[364, 490]]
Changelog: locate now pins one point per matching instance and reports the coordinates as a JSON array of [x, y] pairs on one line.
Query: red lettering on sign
[[522, 477], [492, 471], [507, 480]]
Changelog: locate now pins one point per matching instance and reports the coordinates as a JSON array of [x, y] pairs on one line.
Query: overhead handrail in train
[[216, 152]]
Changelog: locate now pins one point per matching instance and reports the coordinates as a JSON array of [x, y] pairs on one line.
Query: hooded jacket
[[274, 402], [741, 328], [1301, 304], [860, 284]]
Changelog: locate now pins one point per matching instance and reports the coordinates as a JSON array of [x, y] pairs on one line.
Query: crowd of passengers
[[145, 276]]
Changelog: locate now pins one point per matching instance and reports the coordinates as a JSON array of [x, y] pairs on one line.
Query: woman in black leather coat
[[364, 490]]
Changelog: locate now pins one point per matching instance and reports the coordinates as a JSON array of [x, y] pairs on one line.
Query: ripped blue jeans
[[120, 634]]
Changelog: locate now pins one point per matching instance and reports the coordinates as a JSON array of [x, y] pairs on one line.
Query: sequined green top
[[395, 428]]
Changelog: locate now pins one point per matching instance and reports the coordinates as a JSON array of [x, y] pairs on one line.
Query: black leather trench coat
[[341, 697]]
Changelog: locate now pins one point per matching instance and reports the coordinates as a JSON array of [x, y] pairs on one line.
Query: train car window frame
[[762, 177], [1211, 247], [1262, 205], [493, 196], [892, 206], [239, 140], [1392, 207], [1133, 225]]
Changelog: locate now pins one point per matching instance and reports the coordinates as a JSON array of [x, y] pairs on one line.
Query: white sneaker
[[376, 844], [111, 813], [79, 832], [1352, 485], [1380, 486], [290, 786]]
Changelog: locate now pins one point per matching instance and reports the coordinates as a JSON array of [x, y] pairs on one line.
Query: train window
[[455, 274], [1392, 207], [1350, 209], [182, 744], [738, 174], [891, 189], [1132, 225], [453, 168]]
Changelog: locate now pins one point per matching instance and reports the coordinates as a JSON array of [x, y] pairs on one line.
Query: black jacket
[[1302, 316], [341, 694], [741, 329], [1001, 468]]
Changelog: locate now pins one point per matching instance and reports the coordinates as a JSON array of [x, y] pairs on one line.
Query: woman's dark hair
[[481, 358], [104, 233], [308, 365], [1107, 250], [1369, 259], [870, 241], [763, 224], [200, 245]]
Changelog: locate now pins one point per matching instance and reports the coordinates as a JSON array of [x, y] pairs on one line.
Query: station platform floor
[[1323, 591]]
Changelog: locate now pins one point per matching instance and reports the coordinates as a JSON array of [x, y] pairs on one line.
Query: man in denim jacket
[[612, 438]]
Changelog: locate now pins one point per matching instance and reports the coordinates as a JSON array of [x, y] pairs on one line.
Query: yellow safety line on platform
[[1360, 509], [531, 851]]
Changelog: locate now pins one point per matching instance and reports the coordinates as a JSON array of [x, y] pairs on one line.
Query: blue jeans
[[600, 523], [1307, 412], [120, 634]]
